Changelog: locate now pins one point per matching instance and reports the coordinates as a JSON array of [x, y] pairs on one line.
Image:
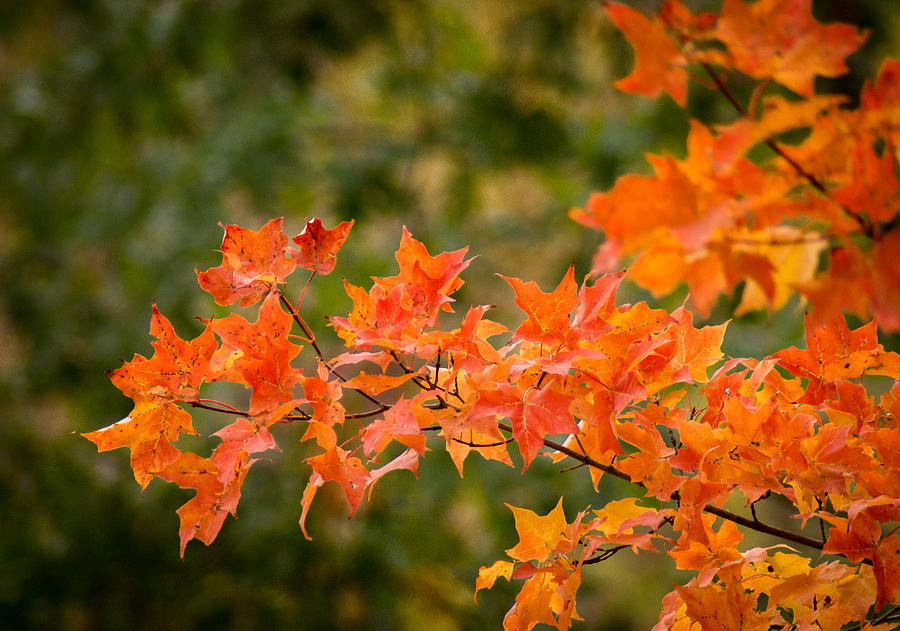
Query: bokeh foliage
[[128, 129]]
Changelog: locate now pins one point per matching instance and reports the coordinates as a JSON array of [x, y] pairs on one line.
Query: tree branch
[[786, 535]]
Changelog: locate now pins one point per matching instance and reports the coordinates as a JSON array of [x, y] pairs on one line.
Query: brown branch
[[787, 535], [604, 554], [864, 225], [312, 341], [222, 410]]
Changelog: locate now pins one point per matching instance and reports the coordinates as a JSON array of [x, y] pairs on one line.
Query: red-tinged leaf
[[470, 349], [348, 471], [265, 353], [241, 437], [548, 313], [599, 421], [874, 190], [409, 459], [202, 516], [596, 303], [659, 63], [315, 481], [863, 540], [191, 471], [856, 539], [539, 536], [319, 246], [638, 204], [176, 370], [717, 552], [376, 384], [885, 269], [781, 39], [252, 263], [438, 274], [429, 279], [835, 352], [697, 27], [884, 93], [399, 423], [148, 432], [886, 566], [697, 349], [324, 395], [718, 607], [534, 414]]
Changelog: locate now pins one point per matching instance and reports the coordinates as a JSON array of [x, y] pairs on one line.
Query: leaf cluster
[[622, 390]]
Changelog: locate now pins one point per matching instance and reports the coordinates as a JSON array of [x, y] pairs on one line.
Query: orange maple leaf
[[781, 39], [148, 432], [548, 313], [835, 352], [659, 64], [534, 413], [260, 353], [218, 493], [176, 369], [319, 246], [252, 263], [539, 536]]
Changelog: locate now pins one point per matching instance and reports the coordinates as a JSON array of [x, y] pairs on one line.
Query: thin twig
[[787, 535], [864, 225]]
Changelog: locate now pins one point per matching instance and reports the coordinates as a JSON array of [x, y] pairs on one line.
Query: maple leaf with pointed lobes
[[538, 536], [428, 280], [861, 538], [262, 354], [252, 264], [835, 352], [548, 313], [718, 607], [318, 246], [348, 471], [174, 373], [148, 432], [218, 493], [399, 424], [781, 39], [534, 413], [176, 369], [659, 65], [874, 189]]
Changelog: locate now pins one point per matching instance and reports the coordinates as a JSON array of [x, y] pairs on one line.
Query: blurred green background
[[129, 129]]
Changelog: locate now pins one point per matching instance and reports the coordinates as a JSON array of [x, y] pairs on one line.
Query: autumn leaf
[[835, 352], [659, 65], [148, 432], [252, 263], [718, 607], [539, 535], [548, 313], [262, 353], [174, 372], [399, 424], [318, 246], [533, 413], [781, 39], [874, 190]]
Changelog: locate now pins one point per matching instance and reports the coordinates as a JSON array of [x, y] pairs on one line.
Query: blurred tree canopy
[[129, 128]]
